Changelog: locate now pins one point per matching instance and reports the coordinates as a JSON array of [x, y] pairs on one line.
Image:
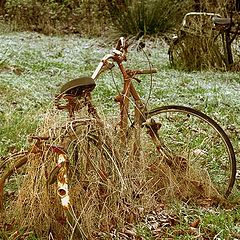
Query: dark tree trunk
[[2, 6], [238, 5], [197, 6]]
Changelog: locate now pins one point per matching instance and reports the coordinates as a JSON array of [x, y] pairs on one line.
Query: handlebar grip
[[121, 43], [146, 71], [150, 71]]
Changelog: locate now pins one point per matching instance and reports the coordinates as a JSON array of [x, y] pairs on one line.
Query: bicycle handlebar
[[118, 54], [144, 71], [119, 50], [121, 44]]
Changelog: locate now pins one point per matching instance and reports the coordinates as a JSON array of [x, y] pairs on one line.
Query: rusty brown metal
[[62, 181]]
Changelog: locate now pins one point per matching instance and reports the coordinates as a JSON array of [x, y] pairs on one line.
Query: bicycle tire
[[183, 54], [92, 143], [177, 52], [221, 166], [86, 134]]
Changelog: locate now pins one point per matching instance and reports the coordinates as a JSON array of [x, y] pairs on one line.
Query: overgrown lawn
[[34, 66]]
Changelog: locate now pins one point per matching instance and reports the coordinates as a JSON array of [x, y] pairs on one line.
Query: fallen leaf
[[195, 223]]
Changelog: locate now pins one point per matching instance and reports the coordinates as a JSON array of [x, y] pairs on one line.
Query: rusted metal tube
[[62, 181]]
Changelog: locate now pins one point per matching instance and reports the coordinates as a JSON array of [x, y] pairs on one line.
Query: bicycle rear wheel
[[16, 162], [92, 174], [177, 53], [198, 139]]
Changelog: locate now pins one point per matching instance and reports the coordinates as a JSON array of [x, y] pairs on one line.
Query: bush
[[146, 17], [94, 17], [62, 16]]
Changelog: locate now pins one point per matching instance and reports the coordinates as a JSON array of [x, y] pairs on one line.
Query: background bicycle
[[207, 40]]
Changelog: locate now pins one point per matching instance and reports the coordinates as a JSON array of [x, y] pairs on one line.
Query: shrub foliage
[[147, 17], [64, 16], [95, 17]]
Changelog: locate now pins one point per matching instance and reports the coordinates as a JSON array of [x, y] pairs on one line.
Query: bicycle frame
[[141, 118], [119, 56], [78, 95], [229, 33], [129, 92]]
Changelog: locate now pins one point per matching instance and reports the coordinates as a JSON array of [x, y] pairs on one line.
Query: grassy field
[[34, 66]]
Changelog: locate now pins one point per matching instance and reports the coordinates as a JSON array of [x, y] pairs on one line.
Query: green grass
[[44, 64], [48, 62], [34, 66], [214, 222]]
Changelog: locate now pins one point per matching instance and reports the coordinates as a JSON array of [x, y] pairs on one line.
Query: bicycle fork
[[152, 130]]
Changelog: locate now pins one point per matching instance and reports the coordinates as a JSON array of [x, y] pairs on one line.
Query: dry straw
[[110, 188]]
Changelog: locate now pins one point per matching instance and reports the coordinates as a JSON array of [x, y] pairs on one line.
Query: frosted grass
[[34, 66]]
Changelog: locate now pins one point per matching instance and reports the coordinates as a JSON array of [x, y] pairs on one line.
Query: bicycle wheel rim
[[17, 161], [222, 171], [178, 52]]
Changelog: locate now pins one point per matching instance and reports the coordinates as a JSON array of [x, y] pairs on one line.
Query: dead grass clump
[[34, 205], [201, 53], [110, 188]]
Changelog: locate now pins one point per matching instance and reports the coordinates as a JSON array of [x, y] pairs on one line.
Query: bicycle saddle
[[221, 21], [78, 86]]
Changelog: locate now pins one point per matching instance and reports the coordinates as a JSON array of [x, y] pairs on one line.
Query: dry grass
[[106, 192], [207, 53]]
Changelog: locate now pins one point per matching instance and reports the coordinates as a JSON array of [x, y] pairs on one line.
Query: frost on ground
[[33, 67]]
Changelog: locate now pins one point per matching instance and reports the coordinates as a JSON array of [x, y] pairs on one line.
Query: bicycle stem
[[118, 55], [102, 66]]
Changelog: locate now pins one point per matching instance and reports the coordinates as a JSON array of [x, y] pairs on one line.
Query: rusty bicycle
[[85, 152]]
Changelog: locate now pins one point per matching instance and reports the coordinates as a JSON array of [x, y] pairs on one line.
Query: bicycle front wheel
[[201, 141]]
